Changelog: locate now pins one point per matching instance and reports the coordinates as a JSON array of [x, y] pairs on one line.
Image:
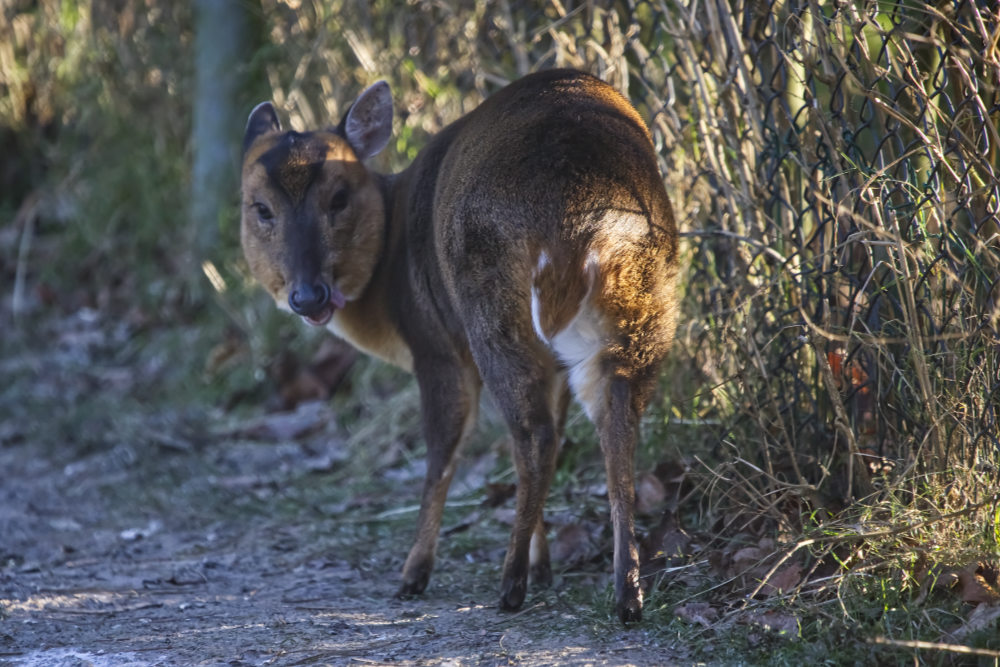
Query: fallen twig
[[103, 612], [935, 646]]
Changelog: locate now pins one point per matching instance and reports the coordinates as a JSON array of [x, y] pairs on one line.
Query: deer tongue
[[336, 302]]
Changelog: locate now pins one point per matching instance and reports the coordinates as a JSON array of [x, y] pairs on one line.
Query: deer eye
[[339, 201], [263, 212]]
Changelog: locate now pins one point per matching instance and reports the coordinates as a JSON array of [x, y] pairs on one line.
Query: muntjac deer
[[530, 247]]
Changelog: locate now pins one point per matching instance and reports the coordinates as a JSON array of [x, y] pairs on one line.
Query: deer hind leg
[[540, 564], [532, 426], [520, 373], [449, 402], [612, 362], [617, 423], [614, 401]]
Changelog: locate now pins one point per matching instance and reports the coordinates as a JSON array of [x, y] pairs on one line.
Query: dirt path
[[152, 537]]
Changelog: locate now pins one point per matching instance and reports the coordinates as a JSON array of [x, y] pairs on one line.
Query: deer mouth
[[320, 318], [324, 312]]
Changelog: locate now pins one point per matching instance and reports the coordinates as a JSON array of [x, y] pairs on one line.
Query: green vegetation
[[833, 398]]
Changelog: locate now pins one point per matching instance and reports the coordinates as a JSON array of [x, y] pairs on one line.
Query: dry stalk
[[843, 424], [934, 646], [25, 219]]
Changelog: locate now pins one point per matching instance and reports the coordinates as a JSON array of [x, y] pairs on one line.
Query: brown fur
[[530, 244]]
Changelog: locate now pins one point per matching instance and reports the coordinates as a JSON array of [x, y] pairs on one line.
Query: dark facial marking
[[294, 163]]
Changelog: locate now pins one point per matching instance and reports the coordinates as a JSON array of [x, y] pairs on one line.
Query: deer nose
[[307, 300]]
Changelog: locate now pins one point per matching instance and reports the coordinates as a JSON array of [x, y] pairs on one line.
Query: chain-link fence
[[843, 205]]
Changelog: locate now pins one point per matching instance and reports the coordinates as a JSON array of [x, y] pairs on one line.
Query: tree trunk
[[220, 37]]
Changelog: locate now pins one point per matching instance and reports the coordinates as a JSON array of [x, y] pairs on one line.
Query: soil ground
[[165, 534]]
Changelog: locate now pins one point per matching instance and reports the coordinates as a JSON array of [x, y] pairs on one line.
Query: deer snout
[[311, 301], [315, 302]]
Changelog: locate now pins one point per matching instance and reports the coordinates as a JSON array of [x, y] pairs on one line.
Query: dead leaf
[[653, 541], [187, 576], [774, 621], [784, 580], [470, 519], [475, 473], [700, 613], [325, 462], [505, 515], [746, 558], [300, 388], [673, 475], [649, 494], [307, 418], [676, 544], [316, 380], [598, 490], [496, 494], [990, 571], [973, 586], [667, 542], [332, 361], [976, 583], [132, 534], [720, 561], [572, 545]]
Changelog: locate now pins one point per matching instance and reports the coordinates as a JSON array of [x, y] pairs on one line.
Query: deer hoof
[[512, 595]]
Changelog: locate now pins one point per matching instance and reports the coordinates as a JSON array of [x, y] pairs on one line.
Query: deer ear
[[368, 123], [263, 120]]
